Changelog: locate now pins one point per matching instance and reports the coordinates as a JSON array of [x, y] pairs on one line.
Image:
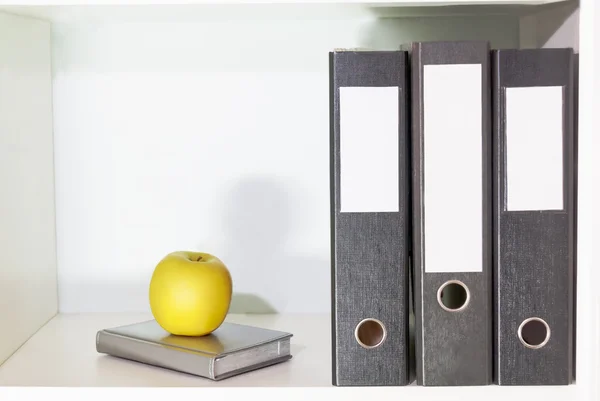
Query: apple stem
[[199, 257]]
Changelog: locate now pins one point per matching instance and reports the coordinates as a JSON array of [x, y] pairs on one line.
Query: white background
[[211, 136]]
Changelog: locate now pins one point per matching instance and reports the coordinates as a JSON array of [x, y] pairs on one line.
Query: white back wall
[[210, 136]]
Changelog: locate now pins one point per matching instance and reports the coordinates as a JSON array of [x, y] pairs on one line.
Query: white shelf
[[265, 53], [393, 3], [74, 11], [63, 354]]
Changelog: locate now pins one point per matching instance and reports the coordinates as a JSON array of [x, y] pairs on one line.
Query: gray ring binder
[[534, 243], [452, 349], [370, 239]]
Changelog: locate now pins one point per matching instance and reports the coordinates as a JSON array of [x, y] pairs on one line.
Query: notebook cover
[[149, 343]]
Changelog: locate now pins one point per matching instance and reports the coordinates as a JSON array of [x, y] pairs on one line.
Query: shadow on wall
[[391, 33], [269, 276], [556, 24], [249, 303]]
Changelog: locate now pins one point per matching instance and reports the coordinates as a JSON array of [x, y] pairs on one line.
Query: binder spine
[[332, 212], [453, 347], [575, 192], [534, 244], [369, 241], [417, 205]]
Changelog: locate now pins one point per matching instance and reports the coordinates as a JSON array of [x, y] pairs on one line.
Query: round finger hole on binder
[[453, 296], [534, 333], [370, 333]]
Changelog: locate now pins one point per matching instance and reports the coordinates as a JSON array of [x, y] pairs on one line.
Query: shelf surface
[[63, 353]]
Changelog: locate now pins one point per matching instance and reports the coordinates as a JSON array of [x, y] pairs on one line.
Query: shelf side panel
[[28, 283]]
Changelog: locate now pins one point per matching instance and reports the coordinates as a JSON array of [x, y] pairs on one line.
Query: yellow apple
[[190, 293]]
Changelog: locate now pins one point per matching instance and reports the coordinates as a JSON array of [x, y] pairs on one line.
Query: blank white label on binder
[[369, 149], [534, 148], [452, 168]]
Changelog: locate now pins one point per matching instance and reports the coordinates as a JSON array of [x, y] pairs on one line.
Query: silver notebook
[[228, 351]]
